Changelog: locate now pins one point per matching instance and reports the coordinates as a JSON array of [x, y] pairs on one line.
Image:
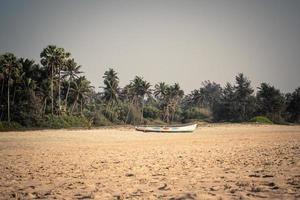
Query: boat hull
[[185, 128]]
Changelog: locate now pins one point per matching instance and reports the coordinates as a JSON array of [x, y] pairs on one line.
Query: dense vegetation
[[55, 94]]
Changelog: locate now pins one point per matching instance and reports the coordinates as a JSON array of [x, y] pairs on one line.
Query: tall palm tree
[[70, 72], [160, 89], [169, 97], [48, 60], [62, 57], [54, 59], [81, 89], [9, 66], [175, 94], [111, 88], [139, 89]]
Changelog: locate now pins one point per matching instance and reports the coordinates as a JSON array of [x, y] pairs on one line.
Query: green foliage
[[30, 92], [134, 115], [66, 121], [151, 112], [270, 102], [100, 120], [237, 103], [6, 126], [196, 113], [261, 120], [293, 106]]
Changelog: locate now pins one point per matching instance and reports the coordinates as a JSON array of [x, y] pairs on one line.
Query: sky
[[183, 41]]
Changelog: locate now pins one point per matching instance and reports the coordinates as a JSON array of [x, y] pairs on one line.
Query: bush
[[196, 113], [100, 120], [261, 120], [75, 121], [5, 126], [65, 121], [134, 115], [153, 122], [151, 112]]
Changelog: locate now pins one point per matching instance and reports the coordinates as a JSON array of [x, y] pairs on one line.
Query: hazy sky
[[173, 41]]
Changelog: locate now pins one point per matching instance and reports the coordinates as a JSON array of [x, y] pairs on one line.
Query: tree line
[[56, 93]]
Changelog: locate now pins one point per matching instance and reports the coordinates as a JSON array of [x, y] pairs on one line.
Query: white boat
[[168, 128]]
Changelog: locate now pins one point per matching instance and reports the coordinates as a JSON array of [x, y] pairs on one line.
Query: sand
[[215, 162]]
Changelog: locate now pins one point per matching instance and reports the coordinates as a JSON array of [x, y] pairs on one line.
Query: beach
[[217, 161]]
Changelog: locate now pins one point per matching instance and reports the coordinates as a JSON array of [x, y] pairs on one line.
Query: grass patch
[[261, 120], [5, 126], [65, 121]]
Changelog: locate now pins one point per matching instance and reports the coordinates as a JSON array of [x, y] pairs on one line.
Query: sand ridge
[[215, 162]]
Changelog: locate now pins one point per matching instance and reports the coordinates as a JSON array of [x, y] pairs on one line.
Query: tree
[[138, 90], [293, 106], [80, 90], [225, 109], [110, 94], [206, 96], [270, 102], [71, 72], [54, 58], [9, 67], [243, 97], [27, 106], [169, 97], [111, 88]]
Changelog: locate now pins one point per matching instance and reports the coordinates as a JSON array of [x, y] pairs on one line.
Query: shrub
[[75, 121], [65, 121], [134, 115], [100, 120], [151, 112], [196, 113], [56, 122], [261, 120], [5, 126]]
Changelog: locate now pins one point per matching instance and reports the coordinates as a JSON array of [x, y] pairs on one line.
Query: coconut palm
[[169, 97], [160, 90], [111, 88], [9, 67], [81, 90], [54, 58], [138, 89], [70, 72]]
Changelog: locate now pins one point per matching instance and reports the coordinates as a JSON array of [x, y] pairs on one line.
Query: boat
[[167, 128]]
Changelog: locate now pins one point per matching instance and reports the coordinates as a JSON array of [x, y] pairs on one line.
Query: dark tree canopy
[[57, 94]]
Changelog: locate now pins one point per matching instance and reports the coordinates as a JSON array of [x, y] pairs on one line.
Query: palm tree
[[175, 94], [9, 67], [62, 57], [160, 90], [54, 59], [81, 89], [169, 97], [111, 88], [71, 72], [110, 94], [139, 88]]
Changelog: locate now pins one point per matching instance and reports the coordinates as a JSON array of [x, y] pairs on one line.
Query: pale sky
[[168, 40]]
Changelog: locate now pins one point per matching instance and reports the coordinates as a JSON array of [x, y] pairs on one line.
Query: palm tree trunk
[[131, 103], [59, 91], [81, 106], [74, 103], [8, 101], [14, 95], [2, 87], [43, 110], [52, 102], [67, 95], [142, 111]]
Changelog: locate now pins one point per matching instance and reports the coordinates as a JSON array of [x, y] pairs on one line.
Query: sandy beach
[[215, 162]]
